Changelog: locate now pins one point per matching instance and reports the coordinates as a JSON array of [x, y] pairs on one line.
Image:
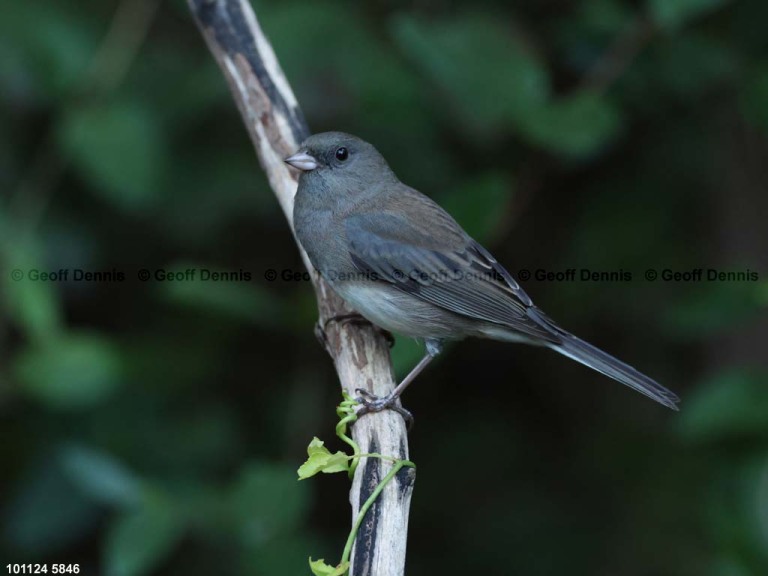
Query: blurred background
[[156, 427]]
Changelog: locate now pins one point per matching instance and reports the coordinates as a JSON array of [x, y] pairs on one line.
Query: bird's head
[[339, 158]]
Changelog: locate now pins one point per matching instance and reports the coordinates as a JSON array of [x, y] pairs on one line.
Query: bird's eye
[[342, 154]]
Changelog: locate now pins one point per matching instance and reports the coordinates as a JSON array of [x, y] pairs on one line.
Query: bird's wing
[[447, 268], [452, 271]]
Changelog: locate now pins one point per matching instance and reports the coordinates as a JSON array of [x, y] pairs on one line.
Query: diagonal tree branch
[[276, 126]]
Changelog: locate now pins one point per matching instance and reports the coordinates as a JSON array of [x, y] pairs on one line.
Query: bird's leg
[[372, 403], [353, 318]]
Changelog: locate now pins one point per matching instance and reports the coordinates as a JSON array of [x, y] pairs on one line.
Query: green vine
[[320, 459]]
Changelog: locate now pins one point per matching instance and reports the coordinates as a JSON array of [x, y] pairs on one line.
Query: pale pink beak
[[302, 161]]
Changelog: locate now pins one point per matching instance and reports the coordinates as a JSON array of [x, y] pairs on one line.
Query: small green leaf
[[320, 568], [72, 371], [338, 462], [138, 541], [321, 460]]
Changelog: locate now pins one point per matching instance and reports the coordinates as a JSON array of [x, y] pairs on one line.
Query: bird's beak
[[302, 161]]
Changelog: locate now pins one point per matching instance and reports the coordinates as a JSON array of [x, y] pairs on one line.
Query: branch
[[277, 127]]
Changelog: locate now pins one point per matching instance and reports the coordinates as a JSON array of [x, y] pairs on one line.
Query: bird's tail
[[585, 353]]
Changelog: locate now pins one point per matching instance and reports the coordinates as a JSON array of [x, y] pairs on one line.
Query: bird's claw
[[369, 402]]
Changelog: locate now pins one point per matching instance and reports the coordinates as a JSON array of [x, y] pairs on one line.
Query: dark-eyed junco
[[407, 266]]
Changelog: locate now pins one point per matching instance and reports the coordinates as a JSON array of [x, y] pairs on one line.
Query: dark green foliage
[[155, 427]]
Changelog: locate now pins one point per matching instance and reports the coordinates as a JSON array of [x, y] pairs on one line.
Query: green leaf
[[576, 125], [321, 460], [73, 371], [320, 568], [139, 540], [267, 502], [675, 13], [101, 477], [119, 149], [489, 75], [730, 406]]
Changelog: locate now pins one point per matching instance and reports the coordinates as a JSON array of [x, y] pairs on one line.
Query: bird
[[408, 267]]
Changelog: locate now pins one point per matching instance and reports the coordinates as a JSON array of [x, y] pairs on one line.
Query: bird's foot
[[371, 403]]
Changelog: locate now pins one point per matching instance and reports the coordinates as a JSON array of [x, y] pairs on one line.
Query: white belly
[[396, 311]]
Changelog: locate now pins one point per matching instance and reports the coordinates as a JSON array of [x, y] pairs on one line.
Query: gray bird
[[405, 264]]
